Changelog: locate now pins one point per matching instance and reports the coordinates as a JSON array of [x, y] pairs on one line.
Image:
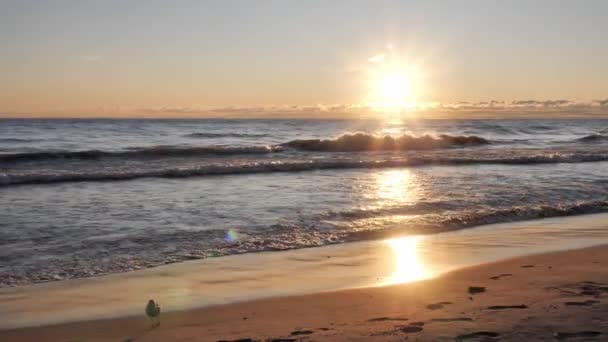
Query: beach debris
[[153, 312], [566, 335], [584, 288], [382, 319], [496, 277], [476, 335], [452, 319], [504, 307], [411, 329], [591, 288], [301, 332], [476, 289], [585, 303], [437, 306]]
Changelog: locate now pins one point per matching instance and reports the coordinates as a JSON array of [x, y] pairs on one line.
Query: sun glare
[[395, 87], [407, 265], [394, 82]]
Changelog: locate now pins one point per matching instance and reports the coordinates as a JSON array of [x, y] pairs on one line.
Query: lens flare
[[232, 235]]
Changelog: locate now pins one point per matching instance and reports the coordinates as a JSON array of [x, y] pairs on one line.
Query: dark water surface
[[87, 197]]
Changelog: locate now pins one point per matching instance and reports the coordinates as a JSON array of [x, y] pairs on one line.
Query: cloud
[[486, 109], [489, 109]]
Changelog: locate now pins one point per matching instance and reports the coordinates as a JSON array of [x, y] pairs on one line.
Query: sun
[[396, 87], [394, 80]]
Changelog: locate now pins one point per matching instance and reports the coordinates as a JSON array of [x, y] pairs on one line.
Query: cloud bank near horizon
[[483, 109]]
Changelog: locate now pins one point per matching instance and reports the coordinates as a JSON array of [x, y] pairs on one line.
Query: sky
[[187, 57]]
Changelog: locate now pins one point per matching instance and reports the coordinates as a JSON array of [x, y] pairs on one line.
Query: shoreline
[[242, 278], [538, 294]]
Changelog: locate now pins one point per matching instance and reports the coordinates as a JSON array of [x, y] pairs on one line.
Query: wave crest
[[289, 166], [149, 152], [224, 135], [593, 138], [360, 142]]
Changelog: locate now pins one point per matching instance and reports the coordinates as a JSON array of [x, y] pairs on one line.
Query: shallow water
[[90, 197], [236, 278]]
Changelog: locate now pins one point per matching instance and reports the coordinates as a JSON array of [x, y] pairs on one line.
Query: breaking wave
[[359, 142], [224, 135], [290, 166], [593, 138], [368, 142], [278, 237]]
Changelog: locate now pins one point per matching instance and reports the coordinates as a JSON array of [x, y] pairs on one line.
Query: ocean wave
[[278, 237], [541, 127], [448, 218], [368, 142], [593, 138], [224, 135], [359, 142], [457, 220], [137, 152], [290, 166], [519, 213], [17, 140]]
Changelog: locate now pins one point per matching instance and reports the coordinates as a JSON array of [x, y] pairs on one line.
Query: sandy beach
[[273, 171], [554, 296]]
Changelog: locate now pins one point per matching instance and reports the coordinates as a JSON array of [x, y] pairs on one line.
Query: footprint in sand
[[382, 319], [505, 307], [585, 303], [437, 306], [591, 288], [567, 335], [476, 335], [301, 332], [452, 319], [496, 277], [476, 289], [411, 329]]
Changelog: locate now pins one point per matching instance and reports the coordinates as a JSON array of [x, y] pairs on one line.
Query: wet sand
[[227, 280], [421, 286], [555, 296]]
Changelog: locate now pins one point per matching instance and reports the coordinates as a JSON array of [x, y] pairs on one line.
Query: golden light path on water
[[395, 186], [407, 264], [398, 187]]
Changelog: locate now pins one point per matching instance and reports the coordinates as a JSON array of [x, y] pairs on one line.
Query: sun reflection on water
[[394, 185], [407, 265]]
